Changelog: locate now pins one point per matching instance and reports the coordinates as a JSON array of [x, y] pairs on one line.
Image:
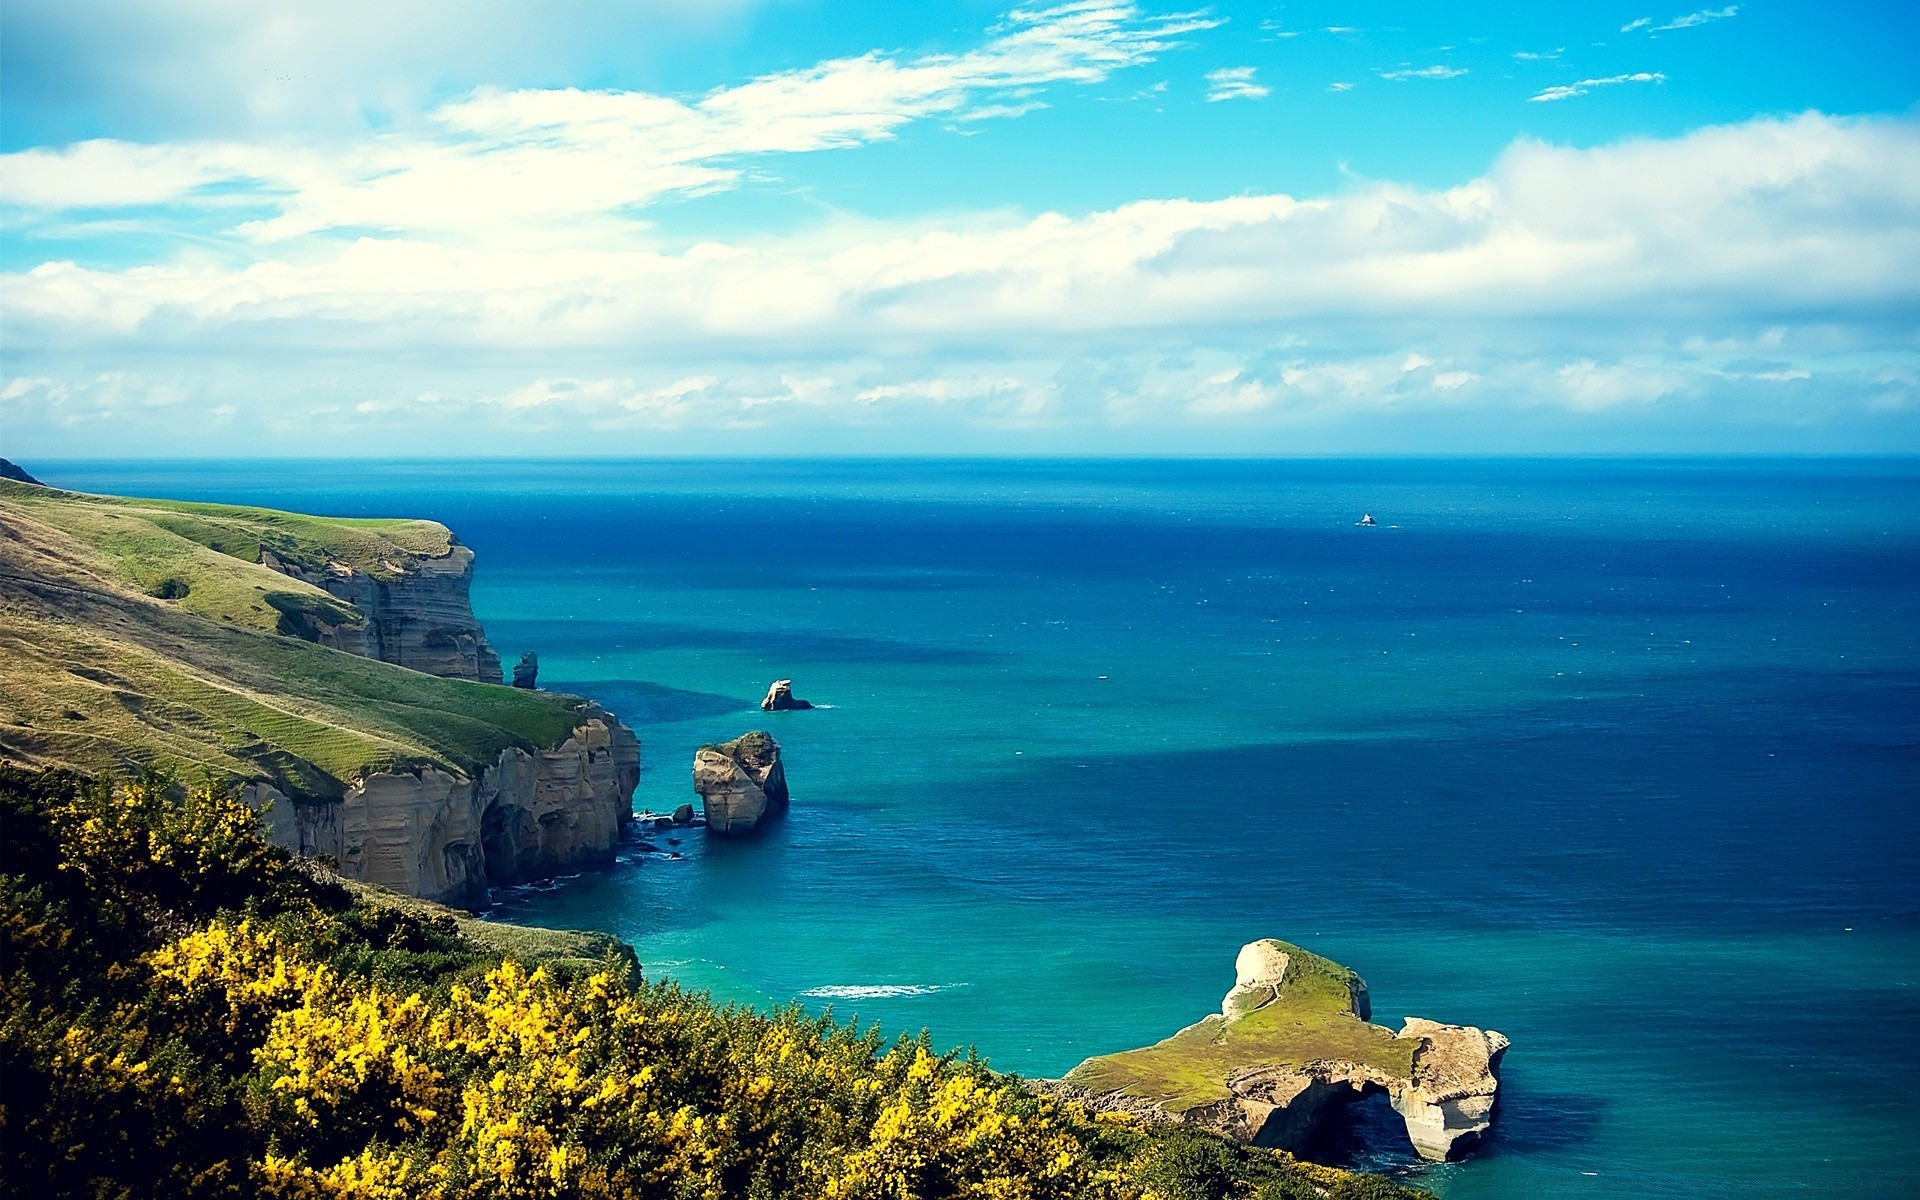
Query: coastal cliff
[[448, 836], [190, 639], [1291, 1045], [416, 609]]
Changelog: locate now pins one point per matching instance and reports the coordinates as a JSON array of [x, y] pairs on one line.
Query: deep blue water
[[1620, 758]]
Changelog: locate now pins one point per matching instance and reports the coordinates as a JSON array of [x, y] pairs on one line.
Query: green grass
[[100, 674], [1312, 1021], [204, 558], [529, 944]]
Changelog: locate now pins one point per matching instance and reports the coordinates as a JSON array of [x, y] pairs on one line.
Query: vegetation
[[1312, 1019], [185, 1011], [139, 634]]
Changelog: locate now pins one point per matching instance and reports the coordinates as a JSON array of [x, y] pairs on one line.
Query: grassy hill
[[146, 634]]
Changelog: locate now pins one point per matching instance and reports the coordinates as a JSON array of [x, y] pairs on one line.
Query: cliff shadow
[[638, 702]]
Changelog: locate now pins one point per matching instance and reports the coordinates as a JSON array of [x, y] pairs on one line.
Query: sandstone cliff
[[444, 835], [416, 608], [741, 783], [1291, 1045]]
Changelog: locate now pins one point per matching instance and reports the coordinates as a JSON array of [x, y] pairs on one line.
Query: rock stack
[[741, 783], [526, 672], [780, 698]]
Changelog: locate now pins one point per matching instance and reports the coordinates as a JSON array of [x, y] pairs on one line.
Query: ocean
[[1621, 758]]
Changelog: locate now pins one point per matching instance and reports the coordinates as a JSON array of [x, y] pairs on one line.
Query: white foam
[[875, 991]]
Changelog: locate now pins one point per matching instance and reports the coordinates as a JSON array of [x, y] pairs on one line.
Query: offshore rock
[[1290, 1047], [741, 783], [780, 698], [417, 609], [443, 836], [526, 672]]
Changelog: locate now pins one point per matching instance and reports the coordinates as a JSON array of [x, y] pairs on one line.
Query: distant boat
[[1366, 519]]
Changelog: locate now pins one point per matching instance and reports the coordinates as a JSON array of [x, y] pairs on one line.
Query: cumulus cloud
[[1234, 83], [1771, 267], [512, 164], [1567, 91]]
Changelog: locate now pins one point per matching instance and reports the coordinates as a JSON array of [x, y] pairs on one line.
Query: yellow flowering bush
[[188, 1013]]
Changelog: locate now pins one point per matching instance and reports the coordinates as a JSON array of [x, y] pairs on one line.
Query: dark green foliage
[[123, 1082]]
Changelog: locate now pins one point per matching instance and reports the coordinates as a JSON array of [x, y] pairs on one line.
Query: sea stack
[[526, 672], [780, 698], [1290, 1046], [741, 783]]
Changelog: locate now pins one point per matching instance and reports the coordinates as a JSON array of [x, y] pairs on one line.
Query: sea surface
[[1621, 758]]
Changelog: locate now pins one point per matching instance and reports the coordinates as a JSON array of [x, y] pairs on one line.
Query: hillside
[[143, 634]]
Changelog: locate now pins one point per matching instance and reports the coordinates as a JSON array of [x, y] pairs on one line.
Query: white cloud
[[1603, 280], [1688, 21], [1567, 91], [1437, 72], [1539, 55], [1340, 87], [539, 164], [1234, 83]]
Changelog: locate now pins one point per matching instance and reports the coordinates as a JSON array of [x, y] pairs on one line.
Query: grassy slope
[[211, 552], [1311, 1021], [98, 674]]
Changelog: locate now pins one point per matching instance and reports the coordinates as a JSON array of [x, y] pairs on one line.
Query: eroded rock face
[[780, 698], [741, 783], [1291, 1045], [419, 616], [443, 836]]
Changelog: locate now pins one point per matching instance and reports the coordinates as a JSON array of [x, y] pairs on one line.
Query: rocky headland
[[741, 783], [1291, 1045], [332, 669], [414, 607]]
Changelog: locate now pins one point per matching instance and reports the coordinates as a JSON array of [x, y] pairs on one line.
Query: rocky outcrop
[[741, 783], [1291, 1046], [526, 672], [417, 612], [780, 698], [445, 836], [17, 473]]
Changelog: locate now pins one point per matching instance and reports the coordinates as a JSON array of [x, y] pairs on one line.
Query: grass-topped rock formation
[[1291, 1044], [230, 644]]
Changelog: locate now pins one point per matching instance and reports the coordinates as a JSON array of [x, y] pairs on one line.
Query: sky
[[719, 227]]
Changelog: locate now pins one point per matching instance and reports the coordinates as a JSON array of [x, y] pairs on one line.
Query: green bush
[[185, 1011]]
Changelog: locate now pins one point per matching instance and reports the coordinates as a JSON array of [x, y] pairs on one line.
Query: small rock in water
[[780, 698], [526, 671]]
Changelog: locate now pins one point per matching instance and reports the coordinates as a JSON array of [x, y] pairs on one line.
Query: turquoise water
[[1620, 758]]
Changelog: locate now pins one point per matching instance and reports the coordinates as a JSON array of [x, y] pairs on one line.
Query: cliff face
[[417, 609], [445, 836]]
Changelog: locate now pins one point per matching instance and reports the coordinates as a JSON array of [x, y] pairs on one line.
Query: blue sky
[[765, 226]]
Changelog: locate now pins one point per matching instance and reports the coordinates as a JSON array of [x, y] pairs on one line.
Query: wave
[[876, 991]]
